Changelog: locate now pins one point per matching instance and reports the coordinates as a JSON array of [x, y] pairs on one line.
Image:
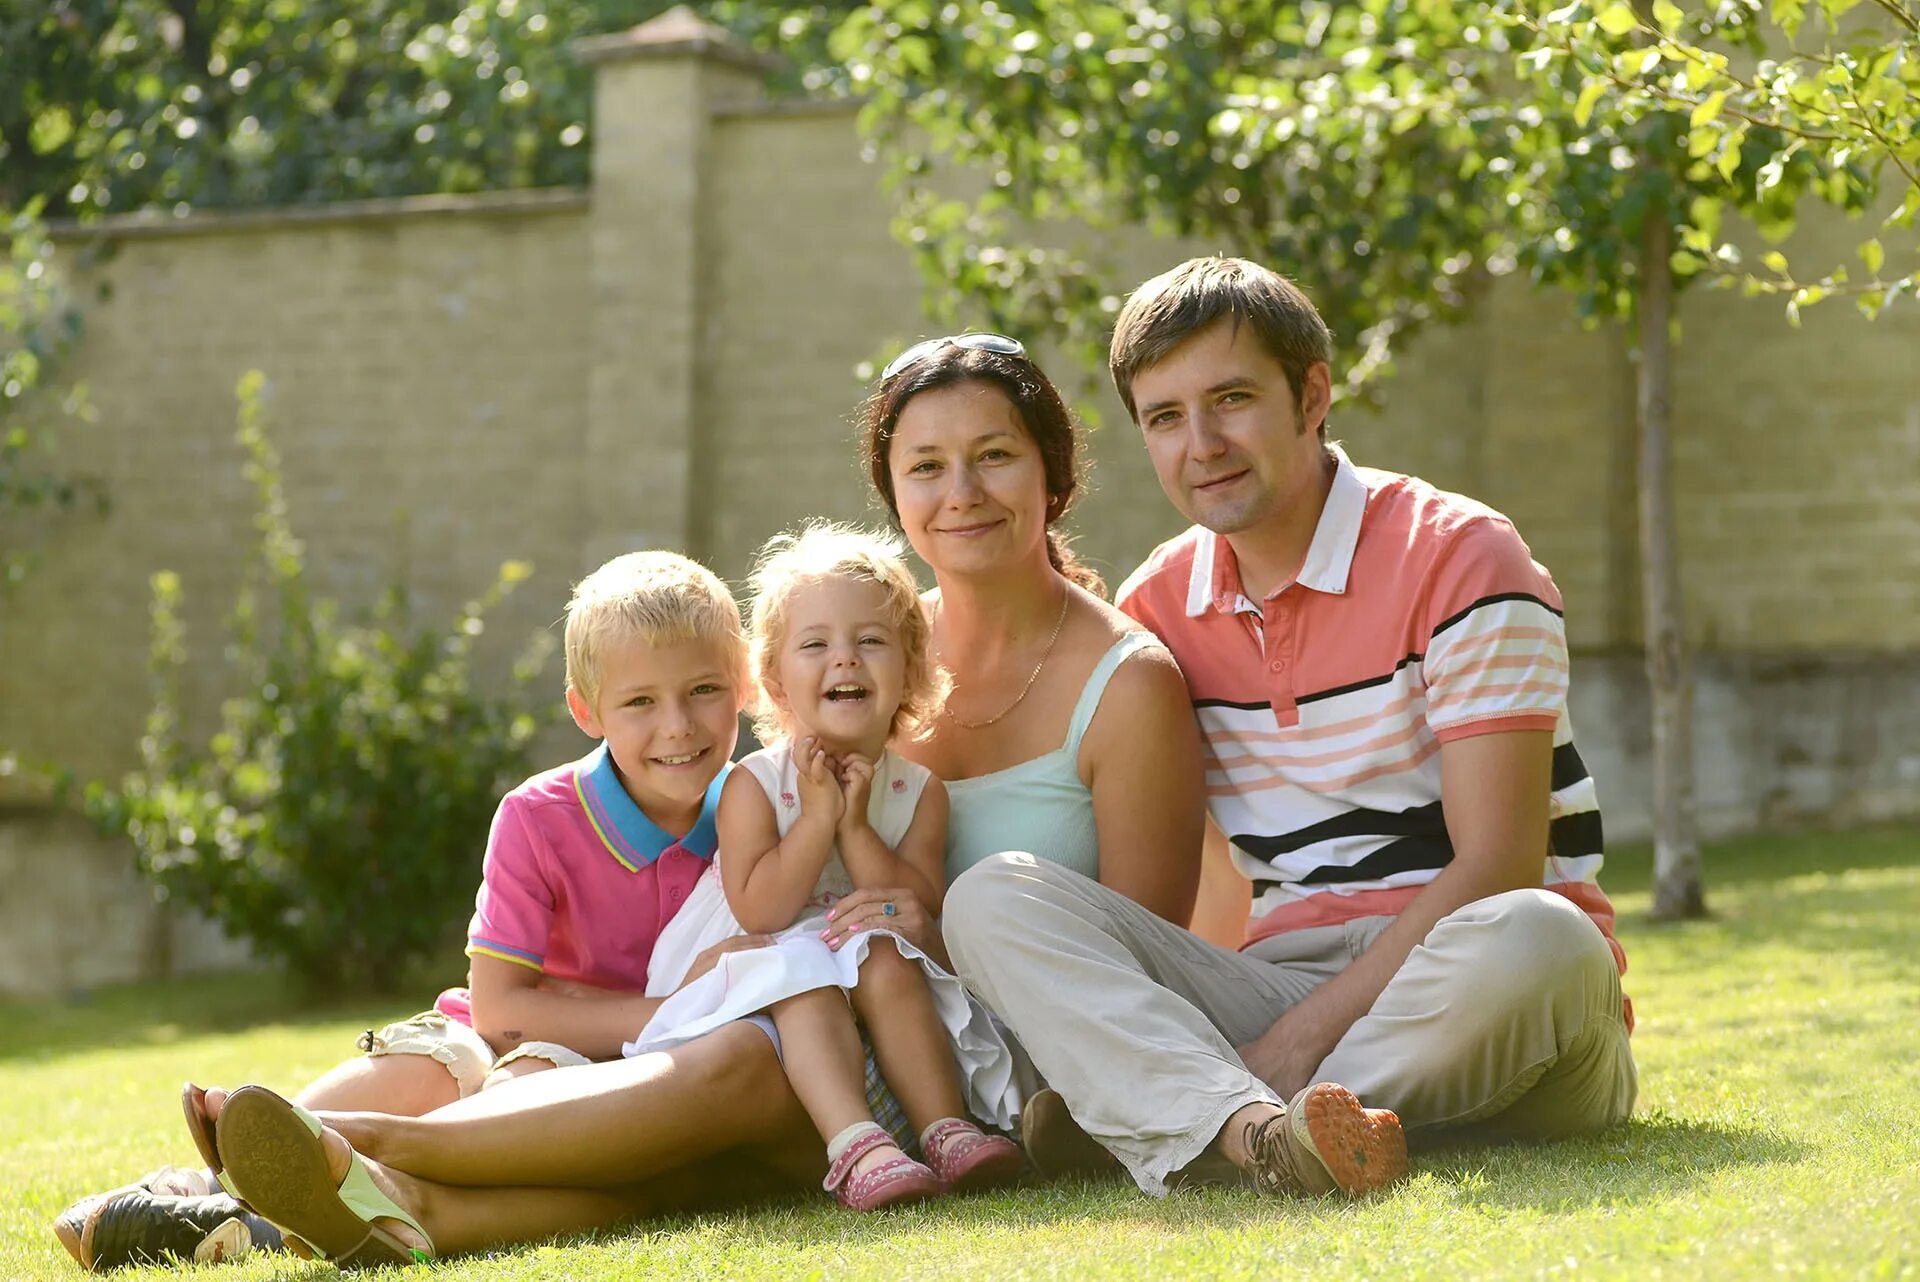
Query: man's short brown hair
[[1174, 306]]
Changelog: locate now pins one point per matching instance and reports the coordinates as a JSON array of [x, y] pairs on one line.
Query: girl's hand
[[820, 792], [707, 958], [856, 783], [900, 911]]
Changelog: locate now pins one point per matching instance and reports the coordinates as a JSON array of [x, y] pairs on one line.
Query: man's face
[[1231, 445]]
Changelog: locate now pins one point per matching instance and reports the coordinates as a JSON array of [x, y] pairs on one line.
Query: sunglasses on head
[[926, 347]]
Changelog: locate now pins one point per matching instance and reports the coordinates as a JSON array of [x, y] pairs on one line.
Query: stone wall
[[669, 359]]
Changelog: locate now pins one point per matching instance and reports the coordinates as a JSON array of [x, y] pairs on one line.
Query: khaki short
[[464, 1053]]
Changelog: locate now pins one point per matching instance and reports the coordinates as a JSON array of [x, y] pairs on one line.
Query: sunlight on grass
[[1779, 1050]]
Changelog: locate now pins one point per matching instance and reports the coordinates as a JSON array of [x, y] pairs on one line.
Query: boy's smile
[[670, 716]]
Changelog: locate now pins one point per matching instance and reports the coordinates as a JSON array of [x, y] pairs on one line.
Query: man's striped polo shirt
[[1418, 617]]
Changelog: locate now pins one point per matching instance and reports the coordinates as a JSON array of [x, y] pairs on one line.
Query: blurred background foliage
[[116, 105]]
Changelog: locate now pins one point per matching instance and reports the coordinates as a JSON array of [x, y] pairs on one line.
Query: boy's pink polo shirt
[[578, 881]]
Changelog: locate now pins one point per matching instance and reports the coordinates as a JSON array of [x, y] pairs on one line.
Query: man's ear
[[583, 715], [1316, 397]]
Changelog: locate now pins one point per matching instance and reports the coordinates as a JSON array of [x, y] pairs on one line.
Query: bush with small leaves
[[337, 818]]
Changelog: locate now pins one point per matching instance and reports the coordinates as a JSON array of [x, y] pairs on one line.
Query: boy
[[584, 864]]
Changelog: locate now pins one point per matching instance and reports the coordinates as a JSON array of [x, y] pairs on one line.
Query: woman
[[1068, 734]]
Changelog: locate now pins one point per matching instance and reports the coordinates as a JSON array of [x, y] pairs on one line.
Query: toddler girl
[[840, 652]]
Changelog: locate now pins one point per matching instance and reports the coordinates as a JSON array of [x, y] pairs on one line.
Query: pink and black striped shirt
[[1417, 617]]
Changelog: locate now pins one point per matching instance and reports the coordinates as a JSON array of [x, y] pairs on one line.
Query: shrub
[[337, 818]]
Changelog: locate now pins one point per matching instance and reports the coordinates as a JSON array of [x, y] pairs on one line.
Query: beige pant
[[1507, 1016]]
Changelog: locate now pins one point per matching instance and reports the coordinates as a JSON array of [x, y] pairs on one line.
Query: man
[[1380, 672]]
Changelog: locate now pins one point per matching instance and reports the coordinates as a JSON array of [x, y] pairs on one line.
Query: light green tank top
[[1039, 806]]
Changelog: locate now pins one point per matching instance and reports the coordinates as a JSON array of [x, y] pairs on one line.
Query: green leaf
[[1873, 256], [1617, 19], [1708, 109], [1775, 261], [1589, 97], [1668, 16]]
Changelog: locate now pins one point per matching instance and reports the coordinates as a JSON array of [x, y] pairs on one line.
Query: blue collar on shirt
[[629, 836]]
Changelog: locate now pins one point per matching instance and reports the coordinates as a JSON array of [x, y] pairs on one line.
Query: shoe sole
[[279, 1169], [1362, 1149], [1056, 1145]]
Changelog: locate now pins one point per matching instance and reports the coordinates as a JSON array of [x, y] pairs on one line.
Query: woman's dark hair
[[1042, 412]]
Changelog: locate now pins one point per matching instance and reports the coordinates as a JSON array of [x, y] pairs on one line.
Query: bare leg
[[827, 1067], [605, 1125], [501, 1076], [909, 1041], [405, 1084], [466, 1219]]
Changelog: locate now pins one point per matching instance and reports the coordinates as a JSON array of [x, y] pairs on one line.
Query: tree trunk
[[1677, 892]]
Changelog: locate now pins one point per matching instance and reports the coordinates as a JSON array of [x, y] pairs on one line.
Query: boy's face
[[670, 715]]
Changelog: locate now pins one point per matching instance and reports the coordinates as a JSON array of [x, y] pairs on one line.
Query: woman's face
[[968, 480]]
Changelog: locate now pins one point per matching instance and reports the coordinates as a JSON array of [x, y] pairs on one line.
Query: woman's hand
[[707, 958], [820, 791], [898, 909]]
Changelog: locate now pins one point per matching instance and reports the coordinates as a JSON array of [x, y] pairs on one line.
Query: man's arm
[[1496, 791]]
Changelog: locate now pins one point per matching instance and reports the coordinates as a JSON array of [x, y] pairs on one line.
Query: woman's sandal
[[193, 1103], [890, 1183], [277, 1166], [966, 1158]]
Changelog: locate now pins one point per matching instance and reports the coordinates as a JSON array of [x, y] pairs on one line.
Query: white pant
[[1508, 1015]]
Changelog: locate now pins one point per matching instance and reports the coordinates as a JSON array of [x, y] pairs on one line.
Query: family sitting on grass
[[1288, 855]]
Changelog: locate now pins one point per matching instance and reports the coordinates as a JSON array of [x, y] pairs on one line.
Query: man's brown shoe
[[1326, 1142], [1054, 1142]]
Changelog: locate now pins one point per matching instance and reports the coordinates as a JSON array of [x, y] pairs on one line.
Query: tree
[[113, 105], [1654, 89], [1404, 149]]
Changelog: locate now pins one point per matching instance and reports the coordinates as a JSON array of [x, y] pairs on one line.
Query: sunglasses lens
[[909, 356], [991, 343], [926, 347]]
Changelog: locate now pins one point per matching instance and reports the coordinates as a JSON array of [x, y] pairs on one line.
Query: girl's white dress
[[798, 961]]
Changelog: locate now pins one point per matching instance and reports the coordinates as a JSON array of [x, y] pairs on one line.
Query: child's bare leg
[[405, 1085], [519, 1068], [827, 1067], [909, 1041]]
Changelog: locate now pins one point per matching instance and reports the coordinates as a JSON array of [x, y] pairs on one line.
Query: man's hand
[[708, 957], [1285, 1056]]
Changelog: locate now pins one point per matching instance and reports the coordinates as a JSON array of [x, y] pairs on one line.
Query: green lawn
[[1778, 1129]]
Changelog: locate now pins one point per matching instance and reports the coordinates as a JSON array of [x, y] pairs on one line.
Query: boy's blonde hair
[[825, 550], [659, 598]]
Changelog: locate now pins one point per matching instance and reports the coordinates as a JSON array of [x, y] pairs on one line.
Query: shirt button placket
[[1279, 647]]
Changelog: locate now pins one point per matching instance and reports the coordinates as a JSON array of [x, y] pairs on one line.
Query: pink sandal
[[966, 1158], [889, 1183]]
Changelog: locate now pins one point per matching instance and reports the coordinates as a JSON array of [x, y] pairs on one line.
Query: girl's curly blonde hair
[[825, 550]]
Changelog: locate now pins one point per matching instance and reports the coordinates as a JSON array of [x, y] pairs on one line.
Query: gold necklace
[[946, 709]]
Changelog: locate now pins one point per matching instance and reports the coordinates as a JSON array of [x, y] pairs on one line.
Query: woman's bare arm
[[1141, 758]]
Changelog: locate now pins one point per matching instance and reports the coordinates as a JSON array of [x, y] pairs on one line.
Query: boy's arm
[[919, 864], [510, 1007], [769, 878]]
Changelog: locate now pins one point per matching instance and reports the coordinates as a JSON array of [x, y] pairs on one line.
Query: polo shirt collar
[[624, 829], [1214, 581]]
